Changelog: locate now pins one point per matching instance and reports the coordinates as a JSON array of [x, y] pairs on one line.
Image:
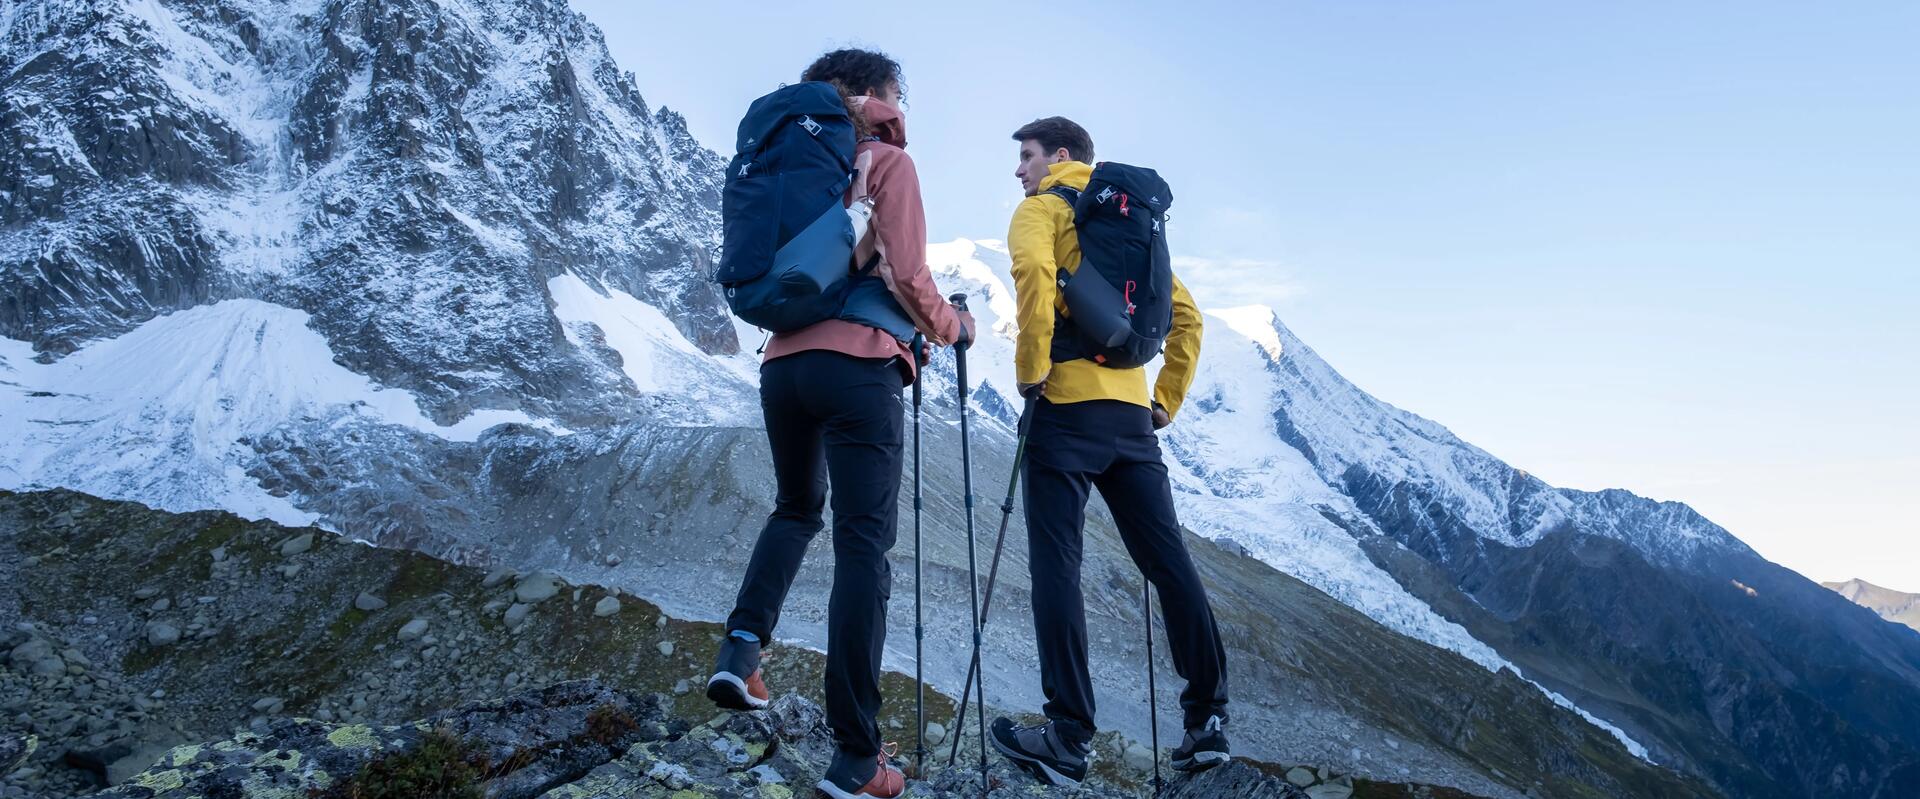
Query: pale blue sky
[[1673, 248]]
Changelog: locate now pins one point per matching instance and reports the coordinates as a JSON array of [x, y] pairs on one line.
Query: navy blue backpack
[[787, 248], [1120, 301]]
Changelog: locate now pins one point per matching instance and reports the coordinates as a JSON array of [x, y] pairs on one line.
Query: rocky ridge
[[265, 639], [586, 740]]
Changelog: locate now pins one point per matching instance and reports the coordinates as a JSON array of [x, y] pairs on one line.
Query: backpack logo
[[813, 128], [744, 167], [1105, 194]]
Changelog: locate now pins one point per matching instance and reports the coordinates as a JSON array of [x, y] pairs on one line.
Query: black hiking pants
[[832, 417], [1110, 445]]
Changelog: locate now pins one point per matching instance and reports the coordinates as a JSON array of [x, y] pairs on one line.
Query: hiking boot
[[736, 683], [1041, 750], [850, 776], [1204, 747]]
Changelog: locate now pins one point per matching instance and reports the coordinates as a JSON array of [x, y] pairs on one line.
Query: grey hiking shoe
[[736, 683], [1204, 747], [1042, 751]]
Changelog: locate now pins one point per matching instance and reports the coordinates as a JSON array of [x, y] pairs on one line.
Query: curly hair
[[856, 72]]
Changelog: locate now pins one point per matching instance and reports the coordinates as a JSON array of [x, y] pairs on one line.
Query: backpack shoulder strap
[[862, 167], [1068, 193]]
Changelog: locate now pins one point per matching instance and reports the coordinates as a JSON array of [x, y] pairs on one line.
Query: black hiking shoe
[[1042, 751], [1204, 747], [736, 682]]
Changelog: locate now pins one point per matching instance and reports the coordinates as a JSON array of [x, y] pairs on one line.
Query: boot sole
[[730, 692], [1201, 761], [1034, 766], [827, 788]]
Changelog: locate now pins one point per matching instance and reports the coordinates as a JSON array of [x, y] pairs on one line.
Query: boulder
[[536, 587], [297, 544]]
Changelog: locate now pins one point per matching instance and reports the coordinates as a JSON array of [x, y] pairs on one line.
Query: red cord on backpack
[[1123, 205], [1130, 284]]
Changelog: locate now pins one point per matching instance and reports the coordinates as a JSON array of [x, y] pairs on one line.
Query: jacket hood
[[885, 120], [1071, 174]]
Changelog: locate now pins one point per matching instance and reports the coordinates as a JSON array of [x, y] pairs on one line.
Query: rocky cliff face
[[411, 174]]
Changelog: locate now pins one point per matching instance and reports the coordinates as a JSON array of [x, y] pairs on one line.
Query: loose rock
[[536, 587], [497, 577], [607, 606], [160, 633]]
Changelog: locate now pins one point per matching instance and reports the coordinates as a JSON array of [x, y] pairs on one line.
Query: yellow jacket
[[1041, 239]]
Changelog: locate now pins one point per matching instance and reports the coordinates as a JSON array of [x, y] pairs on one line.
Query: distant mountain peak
[[1899, 607]]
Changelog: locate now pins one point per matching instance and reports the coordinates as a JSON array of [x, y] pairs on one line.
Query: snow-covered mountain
[[432, 273], [409, 174]]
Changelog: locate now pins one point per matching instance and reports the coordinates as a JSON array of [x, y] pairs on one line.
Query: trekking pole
[[919, 630], [973, 567], [1153, 699], [993, 572]]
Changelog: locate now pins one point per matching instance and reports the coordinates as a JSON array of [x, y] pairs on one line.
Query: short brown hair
[[1054, 133]]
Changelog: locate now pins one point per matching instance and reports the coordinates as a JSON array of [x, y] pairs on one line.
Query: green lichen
[[288, 759], [598, 785], [354, 737], [160, 781]]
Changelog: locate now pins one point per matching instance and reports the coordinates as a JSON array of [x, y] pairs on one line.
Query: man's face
[[1033, 164]]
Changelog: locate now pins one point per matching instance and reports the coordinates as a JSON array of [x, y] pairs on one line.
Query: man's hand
[[1033, 390], [1160, 417], [966, 329], [925, 355]]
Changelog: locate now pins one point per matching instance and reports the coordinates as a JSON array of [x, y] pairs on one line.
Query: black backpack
[[786, 253], [1120, 302]]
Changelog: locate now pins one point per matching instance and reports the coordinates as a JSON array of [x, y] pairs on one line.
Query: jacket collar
[[1071, 174], [885, 120]]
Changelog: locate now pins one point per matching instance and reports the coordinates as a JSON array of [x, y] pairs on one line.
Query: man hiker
[[1093, 428], [830, 393]]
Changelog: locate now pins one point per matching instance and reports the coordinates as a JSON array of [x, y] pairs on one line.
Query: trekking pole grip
[[959, 301]]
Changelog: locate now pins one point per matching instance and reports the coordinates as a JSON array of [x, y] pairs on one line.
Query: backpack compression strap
[[1061, 321]]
